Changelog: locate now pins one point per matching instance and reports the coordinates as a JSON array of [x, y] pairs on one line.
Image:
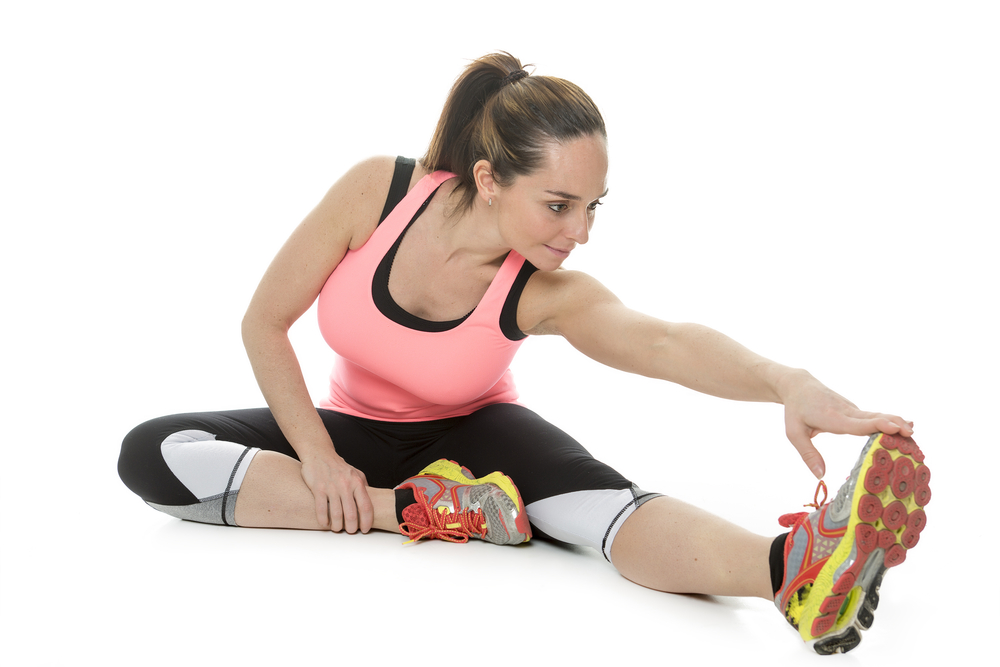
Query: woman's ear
[[486, 186]]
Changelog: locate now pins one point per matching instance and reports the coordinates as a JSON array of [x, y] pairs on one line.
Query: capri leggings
[[191, 465]]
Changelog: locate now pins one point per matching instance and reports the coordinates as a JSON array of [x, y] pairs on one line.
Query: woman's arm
[[344, 219], [595, 321]]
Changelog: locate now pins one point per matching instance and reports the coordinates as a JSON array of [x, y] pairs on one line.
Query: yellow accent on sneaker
[[456, 473], [836, 556], [845, 550]]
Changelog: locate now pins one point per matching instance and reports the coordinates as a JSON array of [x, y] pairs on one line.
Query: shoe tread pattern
[[887, 517]]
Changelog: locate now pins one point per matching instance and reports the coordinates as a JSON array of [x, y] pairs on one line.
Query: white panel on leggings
[[583, 517], [204, 464]]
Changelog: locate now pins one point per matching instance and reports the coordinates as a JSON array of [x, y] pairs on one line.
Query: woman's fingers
[[366, 509], [850, 421], [349, 515], [322, 509], [801, 440], [341, 494]]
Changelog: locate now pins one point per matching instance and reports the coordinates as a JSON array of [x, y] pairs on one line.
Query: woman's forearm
[[279, 376], [710, 362]]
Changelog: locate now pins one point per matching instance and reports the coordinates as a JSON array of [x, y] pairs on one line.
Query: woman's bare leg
[[671, 546], [666, 544], [274, 495]]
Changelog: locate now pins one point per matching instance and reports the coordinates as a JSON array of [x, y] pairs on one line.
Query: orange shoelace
[[443, 525], [795, 518]]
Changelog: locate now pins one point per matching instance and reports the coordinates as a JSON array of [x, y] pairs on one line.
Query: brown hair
[[497, 112]]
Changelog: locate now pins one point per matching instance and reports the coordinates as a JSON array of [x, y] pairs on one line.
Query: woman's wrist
[[315, 450], [787, 381]]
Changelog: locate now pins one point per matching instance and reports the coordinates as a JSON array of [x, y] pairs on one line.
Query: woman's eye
[[558, 208], [593, 207]]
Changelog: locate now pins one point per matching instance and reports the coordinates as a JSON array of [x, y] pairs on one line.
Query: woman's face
[[544, 215]]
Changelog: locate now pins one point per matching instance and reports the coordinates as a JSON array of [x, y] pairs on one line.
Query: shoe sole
[[886, 520]]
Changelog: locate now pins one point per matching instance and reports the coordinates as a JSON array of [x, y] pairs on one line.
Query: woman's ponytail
[[497, 112]]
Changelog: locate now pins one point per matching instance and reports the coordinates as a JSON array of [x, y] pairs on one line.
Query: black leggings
[[549, 467], [541, 459]]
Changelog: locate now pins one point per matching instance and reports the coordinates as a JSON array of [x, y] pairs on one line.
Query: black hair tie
[[516, 75]]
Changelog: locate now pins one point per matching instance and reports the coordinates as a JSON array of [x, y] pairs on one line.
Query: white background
[[819, 182]]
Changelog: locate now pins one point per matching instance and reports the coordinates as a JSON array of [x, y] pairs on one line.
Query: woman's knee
[[185, 472], [142, 468], [588, 518]]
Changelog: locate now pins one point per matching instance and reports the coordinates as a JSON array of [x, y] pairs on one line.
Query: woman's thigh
[[542, 459], [145, 471], [568, 494]]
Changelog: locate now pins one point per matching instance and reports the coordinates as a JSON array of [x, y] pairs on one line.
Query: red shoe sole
[[890, 517]]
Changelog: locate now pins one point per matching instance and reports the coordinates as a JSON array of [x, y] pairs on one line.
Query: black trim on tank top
[[383, 299], [508, 316], [380, 282], [401, 175]]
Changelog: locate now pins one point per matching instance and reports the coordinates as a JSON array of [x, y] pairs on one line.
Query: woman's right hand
[[341, 493]]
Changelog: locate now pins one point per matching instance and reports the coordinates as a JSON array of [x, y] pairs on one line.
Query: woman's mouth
[[563, 254]]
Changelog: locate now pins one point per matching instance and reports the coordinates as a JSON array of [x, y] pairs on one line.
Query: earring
[[491, 201]]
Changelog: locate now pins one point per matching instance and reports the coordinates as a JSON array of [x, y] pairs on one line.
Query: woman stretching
[[429, 275]]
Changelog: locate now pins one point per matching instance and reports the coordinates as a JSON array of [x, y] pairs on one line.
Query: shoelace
[[444, 525], [795, 518]]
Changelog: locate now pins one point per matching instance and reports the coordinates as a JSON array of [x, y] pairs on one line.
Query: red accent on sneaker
[[887, 493], [832, 604], [421, 521], [901, 478], [882, 460], [876, 480], [823, 624], [895, 555], [895, 515], [870, 509], [867, 538]]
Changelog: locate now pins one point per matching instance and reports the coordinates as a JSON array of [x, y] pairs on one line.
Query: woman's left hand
[[812, 408]]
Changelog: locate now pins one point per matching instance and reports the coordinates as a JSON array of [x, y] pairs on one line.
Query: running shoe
[[836, 556], [451, 504]]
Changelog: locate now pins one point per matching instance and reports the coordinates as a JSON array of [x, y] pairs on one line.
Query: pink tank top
[[389, 371]]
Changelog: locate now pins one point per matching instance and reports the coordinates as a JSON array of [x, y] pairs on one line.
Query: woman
[[429, 276]]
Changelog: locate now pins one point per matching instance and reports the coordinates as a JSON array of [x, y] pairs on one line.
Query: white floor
[[819, 183], [92, 572]]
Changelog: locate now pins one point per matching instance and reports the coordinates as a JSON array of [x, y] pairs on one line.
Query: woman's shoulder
[[380, 169], [368, 179], [552, 296], [371, 177], [357, 198]]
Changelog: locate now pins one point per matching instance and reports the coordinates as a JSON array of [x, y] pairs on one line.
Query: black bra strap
[[399, 186]]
